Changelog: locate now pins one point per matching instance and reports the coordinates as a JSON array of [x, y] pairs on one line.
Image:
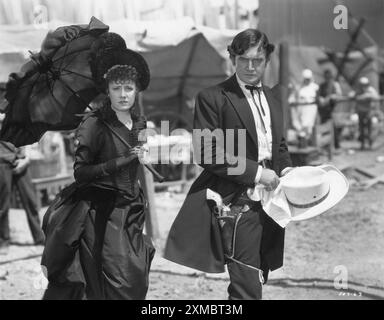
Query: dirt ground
[[346, 241]]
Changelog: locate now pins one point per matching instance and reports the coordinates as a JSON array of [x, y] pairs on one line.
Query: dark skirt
[[112, 257]]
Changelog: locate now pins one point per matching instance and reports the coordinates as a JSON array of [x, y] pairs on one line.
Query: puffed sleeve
[[89, 139]]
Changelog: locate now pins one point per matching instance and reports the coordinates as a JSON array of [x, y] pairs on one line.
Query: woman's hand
[[140, 152], [20, 166]]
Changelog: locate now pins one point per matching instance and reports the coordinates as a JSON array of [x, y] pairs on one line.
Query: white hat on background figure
[[364, 81], [307, 74]]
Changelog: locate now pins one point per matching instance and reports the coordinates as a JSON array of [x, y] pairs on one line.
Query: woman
[[113, 257]]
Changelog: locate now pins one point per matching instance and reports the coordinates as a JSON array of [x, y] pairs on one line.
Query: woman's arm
[[89, 173]]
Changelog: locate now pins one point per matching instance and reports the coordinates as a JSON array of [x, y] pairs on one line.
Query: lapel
[[239, 102], [274, 108]]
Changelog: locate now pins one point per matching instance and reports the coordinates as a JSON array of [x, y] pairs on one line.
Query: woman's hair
[[250, 38], [121, 73]]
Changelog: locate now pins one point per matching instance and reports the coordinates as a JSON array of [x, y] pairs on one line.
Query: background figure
[[50, 147], [366, 102], [14, 173], [305, 112], [329, 92]]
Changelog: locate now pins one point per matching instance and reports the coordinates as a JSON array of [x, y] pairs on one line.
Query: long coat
[[95, 247], [194, 239]]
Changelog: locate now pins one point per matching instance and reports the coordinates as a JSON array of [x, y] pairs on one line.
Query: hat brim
[[339, 186], [102, 64]]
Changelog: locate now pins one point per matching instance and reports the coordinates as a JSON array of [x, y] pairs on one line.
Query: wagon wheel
[[171, 172]]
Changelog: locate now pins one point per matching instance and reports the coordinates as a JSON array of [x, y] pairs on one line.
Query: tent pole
[[284, 81], [140, 103], [148, 186], [236, 14], [151, 221]]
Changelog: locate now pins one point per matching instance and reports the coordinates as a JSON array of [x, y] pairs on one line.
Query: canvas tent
[[183, 59], [310, 22]]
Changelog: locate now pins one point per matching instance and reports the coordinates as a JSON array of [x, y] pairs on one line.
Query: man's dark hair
[[250, 38]]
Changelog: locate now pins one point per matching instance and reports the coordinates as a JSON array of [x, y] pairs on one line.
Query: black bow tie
[[258, 89]]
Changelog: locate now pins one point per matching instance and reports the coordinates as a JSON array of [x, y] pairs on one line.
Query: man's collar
[[242, 84]]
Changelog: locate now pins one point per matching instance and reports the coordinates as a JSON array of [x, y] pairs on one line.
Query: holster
[[229, 217], [228, 221]]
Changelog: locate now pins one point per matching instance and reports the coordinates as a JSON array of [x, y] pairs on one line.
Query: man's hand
[[269, 179], [20, 166]]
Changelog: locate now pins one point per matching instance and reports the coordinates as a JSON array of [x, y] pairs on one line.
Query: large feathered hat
[[111, 50]]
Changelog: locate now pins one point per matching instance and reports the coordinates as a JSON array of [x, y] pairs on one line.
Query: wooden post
[[151, 222], [284, 81], [236, 13], [148, 186], [140, 103]]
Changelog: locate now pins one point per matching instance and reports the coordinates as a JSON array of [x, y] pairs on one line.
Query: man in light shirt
[[366, 99], [304, 113], [240, 103]]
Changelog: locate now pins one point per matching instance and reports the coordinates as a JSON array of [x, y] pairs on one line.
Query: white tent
[[183, 58]]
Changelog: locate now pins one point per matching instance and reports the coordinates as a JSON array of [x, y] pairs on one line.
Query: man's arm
[[285, 163], [207, 117], [370, 94]]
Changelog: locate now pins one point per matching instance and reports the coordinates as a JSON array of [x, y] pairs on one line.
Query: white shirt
[[307, 93], [264, 138]]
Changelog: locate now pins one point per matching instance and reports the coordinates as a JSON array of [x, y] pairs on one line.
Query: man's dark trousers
[[23, 184], [5, 200], [245, 280], [365, 128]]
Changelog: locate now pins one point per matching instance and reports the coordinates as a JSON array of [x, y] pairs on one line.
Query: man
[[366, 98], [239, 103], [305, 112], [13, 172], [329, 92]]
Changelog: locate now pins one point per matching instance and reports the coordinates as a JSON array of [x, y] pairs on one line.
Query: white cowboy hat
[[311, 191], [305, 192]]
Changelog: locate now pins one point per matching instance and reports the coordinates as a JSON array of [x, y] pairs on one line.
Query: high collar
[[242, 84]]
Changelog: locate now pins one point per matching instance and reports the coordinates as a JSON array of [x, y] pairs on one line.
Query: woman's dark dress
[[113, 257]]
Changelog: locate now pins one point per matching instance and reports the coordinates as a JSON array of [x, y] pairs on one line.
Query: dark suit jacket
[[194, 239]]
